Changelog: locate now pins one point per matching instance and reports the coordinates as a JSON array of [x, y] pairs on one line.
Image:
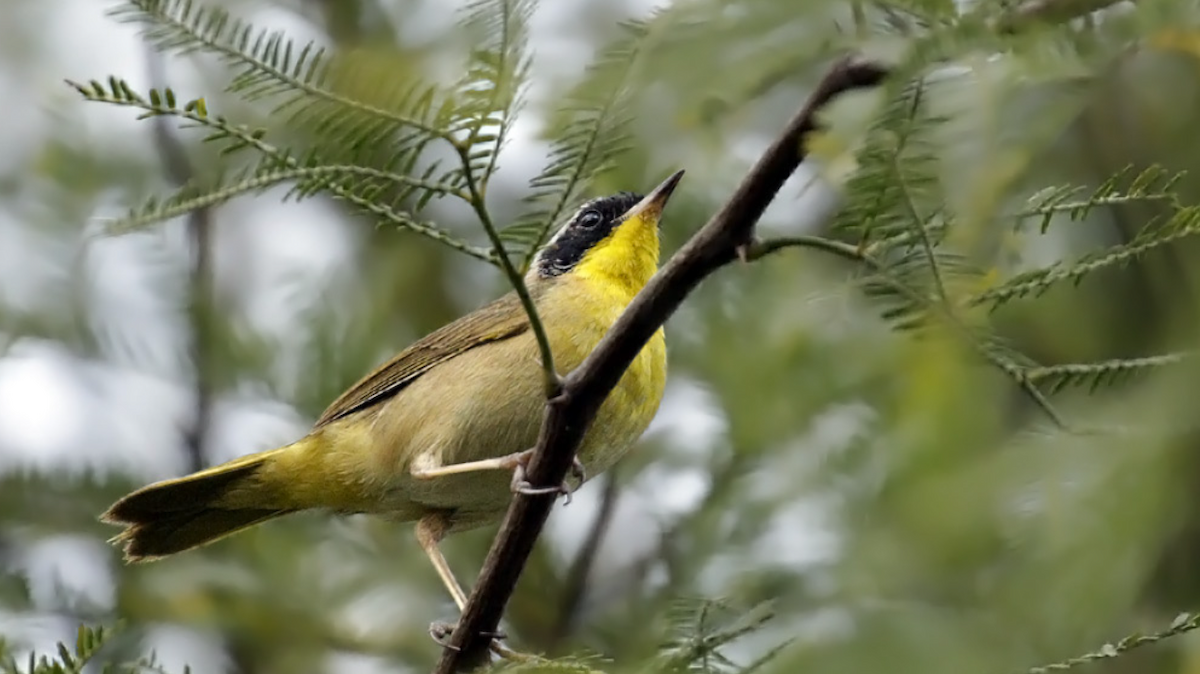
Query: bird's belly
[[627, 411], [488, 403], [481, 497]]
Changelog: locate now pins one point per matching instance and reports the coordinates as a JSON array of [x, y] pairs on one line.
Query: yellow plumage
[[468, 392]]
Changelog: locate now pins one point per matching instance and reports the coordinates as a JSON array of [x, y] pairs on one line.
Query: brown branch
[[199, 227], [567, 415]]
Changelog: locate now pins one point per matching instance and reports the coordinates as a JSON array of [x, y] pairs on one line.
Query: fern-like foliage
[[89, 642], [1184, 223], [370, 136], [357, 185], [493, 87], [1154, 183], [909, 301], [906, 266], [305, 81], [703, 628], [1103, 373], [591, 139], [893, 192], [372, 141], [895, 210], [906, 287]]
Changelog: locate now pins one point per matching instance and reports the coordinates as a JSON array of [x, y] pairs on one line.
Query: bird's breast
[[489, 402], [632, 404]]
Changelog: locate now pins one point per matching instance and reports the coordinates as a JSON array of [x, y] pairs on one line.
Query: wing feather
[[501, 319]]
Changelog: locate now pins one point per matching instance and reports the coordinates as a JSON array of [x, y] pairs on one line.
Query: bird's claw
[[521, 485], [578, 470], [441, 631]]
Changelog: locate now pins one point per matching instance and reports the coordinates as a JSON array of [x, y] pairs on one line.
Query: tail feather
[[176, 515], [150, 540]]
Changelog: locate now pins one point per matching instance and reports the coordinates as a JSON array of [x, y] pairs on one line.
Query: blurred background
[[863, 497]]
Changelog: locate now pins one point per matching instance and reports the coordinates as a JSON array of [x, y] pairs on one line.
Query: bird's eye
[[590, 219]]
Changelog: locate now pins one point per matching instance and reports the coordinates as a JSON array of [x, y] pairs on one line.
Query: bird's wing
[[498, 320]]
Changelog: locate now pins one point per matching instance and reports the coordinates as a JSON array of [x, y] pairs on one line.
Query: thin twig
[[551, 382], [583, 390], [1068, 370], [1019, 374], [581, 567], [1184, 622], [199, 228]]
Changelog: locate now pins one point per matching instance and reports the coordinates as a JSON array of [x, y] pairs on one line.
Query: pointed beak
[[650, 208]]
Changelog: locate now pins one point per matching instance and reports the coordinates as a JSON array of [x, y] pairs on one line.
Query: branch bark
[[568, 414]]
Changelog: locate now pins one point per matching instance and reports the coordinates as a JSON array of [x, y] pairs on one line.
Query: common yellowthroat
[[429, 436]]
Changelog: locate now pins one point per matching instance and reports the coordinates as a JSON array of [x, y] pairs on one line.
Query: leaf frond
[[908, 301], [893, 194], [594, 135], [494, 84], [1102, 373], [1184, 223], [269, 63], [908, 283], [1154, 183], [89, 642], [361, 194], [306, 180], [701, 628]]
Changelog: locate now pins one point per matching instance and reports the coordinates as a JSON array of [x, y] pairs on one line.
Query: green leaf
[[494, 84], [1154, 183], [594, 135], [1102, 373], [1182, 224]]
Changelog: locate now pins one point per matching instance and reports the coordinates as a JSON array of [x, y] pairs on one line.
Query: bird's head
[[613, 239]]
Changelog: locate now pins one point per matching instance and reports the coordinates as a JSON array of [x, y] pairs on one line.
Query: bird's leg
[[430, 531], [521, 485], [515, 462]]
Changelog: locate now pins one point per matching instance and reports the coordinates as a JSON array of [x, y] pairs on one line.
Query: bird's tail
[[176, 515]]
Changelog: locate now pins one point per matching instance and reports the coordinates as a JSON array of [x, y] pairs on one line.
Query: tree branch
[[568, 414], [199, 228]]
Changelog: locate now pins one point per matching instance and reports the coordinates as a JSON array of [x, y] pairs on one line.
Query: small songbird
[[440, 434]]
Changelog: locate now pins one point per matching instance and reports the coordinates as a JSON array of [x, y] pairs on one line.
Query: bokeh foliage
[[961, 442]]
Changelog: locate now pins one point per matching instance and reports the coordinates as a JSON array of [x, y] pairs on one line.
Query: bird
[[440, 434]]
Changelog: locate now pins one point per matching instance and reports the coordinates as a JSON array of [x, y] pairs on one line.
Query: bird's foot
[[521, 485], [441, 631]]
